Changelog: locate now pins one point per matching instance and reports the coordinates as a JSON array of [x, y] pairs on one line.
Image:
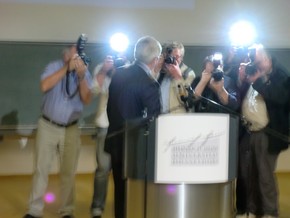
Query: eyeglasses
[[177, 57]]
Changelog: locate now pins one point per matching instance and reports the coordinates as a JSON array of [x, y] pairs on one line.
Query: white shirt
[[254, 110], [102, 93]]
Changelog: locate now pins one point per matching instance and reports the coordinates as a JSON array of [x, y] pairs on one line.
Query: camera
[[217, 73], [81, 43], [251, 68], [118, 61], [169, 59]]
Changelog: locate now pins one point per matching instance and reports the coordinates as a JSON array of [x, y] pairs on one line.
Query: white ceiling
[[176, 4]]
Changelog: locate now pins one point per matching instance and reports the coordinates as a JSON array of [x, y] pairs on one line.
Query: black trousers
[[116, 152], [257, 190]]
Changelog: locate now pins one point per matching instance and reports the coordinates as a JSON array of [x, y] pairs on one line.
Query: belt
[[59, 124]]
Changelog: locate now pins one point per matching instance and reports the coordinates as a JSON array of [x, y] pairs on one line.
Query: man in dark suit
[[133, 94]]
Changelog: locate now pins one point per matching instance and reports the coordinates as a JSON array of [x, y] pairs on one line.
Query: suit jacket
[[133, 94]]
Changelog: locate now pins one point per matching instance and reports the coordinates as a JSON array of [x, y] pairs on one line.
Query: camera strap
[[67, 88]]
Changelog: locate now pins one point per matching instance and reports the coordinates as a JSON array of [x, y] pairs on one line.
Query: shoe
[[30, 216], [68, 216], [268, 216], [97, 216], [241, 216], [251, 215]]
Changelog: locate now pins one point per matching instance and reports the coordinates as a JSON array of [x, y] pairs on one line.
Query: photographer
[[66, 87], [215, 86], [266, 110], [101, 81], [174, 76]]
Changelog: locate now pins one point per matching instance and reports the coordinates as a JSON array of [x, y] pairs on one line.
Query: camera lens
[[251, 69], [169, 59], [217, 75]]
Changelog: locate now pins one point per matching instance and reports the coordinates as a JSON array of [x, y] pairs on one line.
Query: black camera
[[241, 52], [81, 43], [217, 73], [119, 62], [169, 59], [251, 68]]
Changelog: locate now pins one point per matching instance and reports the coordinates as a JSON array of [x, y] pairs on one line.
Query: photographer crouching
[[103, 73], [213, 85], [174, 76]]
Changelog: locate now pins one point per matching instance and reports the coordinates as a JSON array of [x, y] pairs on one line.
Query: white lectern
[[181, 166]]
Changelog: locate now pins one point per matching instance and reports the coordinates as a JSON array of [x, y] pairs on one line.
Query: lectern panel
[[192, 149]]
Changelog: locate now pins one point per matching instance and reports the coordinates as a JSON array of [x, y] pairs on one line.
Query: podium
[[181, 166]]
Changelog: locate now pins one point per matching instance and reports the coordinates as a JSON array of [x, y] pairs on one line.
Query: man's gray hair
[[146, 49], [173, 45]]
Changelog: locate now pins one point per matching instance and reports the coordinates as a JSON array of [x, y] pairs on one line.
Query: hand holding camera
[[206, 75], [174, 70], [216, 86], [77, 64], [108, 64]]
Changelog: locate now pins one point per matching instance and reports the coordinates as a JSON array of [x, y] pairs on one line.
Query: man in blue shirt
[[66, 86]]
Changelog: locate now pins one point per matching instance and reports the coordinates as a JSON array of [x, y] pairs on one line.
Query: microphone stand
[[243, 120]]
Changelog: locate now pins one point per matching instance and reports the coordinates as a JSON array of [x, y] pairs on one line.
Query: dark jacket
[[276, 93], [203, 105], [133, 94]]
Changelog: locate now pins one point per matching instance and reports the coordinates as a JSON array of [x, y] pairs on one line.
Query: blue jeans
[[101, 174]]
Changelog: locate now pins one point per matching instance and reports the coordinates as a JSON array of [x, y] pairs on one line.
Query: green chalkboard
[[22, 63]]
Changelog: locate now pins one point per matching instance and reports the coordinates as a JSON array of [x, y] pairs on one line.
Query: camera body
[[118, 61], [251, 68], [243, 54], [169, 59], [81, 43], [217, 73]]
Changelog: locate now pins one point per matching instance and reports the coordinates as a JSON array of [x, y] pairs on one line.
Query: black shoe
[[97, 216], [30, 216], [68, 216]]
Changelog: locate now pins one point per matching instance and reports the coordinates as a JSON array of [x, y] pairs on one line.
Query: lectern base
[[180, 200]]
